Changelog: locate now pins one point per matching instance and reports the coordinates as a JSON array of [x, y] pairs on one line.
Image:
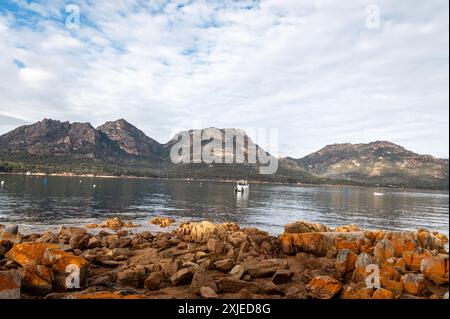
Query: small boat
[[378, 194], [241, 187]]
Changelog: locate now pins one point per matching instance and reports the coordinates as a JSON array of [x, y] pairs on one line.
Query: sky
[[319, 72]]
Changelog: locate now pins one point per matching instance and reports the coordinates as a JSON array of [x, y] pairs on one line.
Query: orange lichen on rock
[[382, 294], [435, 268], [29, 254], [323, 287]]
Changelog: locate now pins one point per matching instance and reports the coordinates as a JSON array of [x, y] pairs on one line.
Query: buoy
[[2, 183], [94, 186]]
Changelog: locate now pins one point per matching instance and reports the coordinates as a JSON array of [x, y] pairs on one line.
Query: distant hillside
[[380, 162], [119, 148]]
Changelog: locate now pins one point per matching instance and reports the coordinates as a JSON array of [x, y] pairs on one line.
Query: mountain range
[[119, 148]]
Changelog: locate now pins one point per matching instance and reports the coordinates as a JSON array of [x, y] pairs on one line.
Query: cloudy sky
[[320, 72]]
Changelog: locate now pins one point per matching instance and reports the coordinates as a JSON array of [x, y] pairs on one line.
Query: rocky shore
[[205, 260]]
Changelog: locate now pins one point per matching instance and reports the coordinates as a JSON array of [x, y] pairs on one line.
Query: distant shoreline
[[218, 180]]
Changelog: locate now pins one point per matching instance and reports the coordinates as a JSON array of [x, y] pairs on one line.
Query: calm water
[[38, 204]]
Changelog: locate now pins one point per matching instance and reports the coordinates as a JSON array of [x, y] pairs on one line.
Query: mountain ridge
[[121, 148]]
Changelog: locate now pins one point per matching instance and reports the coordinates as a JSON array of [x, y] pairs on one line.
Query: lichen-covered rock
[[382, 293], [414, 284], [360, 273], [65, 266], [163, 222], [302, 226], [432, 241], [203, 231], [6, 238], [354, 293], [384, 250], [347, 228], [413, 259], [346, 260], [10, 283], [320, 244], [323, 287], [34, 284], [435, 268], [29, 254], [113, 223]]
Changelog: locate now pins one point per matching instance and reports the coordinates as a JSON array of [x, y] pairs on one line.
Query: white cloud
[[311, 69]]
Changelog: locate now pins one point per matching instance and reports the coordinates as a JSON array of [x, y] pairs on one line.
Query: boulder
[[237, 272], [384, 250], [208, 293], [347, 228], [113, 223], [282, 276], [29, 254], [79, 241], [10, 283], [346, 260], [181, 277], [3, 251], [34, 284], [169, 268], [305, 227], [382, 293], [66, 266], [215, 246], [323, 287], [319, 244], [224, 265], [7, 238], [266, 267], [203, 231], [69, 232], [414, 284], [153, 281], [132, 277], [162, 221], [360, 273], [432, 241], [233, 285], [297, 291], [12, 229], [201, 279], [435, 269], [354, 293], [413, 260]]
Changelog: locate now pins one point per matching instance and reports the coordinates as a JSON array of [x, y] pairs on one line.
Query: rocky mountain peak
[[130, 139]]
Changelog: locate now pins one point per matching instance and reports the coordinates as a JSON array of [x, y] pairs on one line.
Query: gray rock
[[208, 293], [12, 229], [181, 277]]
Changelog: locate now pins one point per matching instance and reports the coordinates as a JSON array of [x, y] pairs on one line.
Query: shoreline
[[446, 191], [195, 260]]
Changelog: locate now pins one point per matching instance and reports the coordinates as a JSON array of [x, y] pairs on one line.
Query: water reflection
[[36, 203]]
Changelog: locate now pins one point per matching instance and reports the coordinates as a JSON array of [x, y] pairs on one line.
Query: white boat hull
[[241, 189]]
